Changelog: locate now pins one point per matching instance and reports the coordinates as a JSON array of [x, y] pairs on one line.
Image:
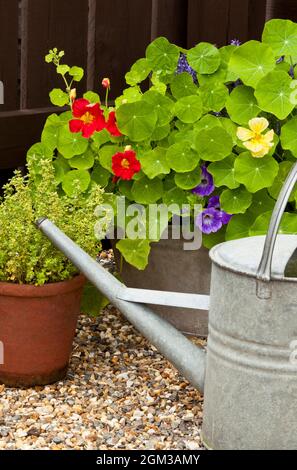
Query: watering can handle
[[264, 270]]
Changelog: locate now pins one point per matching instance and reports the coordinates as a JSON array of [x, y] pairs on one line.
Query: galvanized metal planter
[[172, 269]]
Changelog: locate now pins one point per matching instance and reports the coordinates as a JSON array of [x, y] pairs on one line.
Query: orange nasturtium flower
[[253, 138]]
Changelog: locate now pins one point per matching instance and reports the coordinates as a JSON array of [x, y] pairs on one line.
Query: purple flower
[[206, 187], [292, 71], [214, 202], [235, 42], [225, 217], [183, 66], [280, 60], [209, 221]]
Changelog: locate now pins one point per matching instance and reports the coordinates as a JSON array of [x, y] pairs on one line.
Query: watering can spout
[[189, 359]]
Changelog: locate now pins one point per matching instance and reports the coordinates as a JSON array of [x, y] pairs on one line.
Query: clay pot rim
[[47, 290]]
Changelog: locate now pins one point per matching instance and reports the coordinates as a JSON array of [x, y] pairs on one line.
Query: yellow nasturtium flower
[[253, 138]]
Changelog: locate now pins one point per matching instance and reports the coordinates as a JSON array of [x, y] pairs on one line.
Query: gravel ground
[[119, 394]]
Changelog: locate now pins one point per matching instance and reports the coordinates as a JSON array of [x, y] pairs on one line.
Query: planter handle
[[264, 270]]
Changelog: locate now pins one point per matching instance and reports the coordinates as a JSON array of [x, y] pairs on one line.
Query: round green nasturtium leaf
[[92, 97], [158, 85], [161, 132], [204, 58], [39, 151], [137, 120], [223, 172], [185, 136], [206, 122], [214, 96], [61, 167], [162, 105], [288, 224], [146, 191], [188, 180], [213, 239], [239, 226], [100, 138], [225, 53], [252, 61], [138, 73], [181, 158], [84, 161], [100, 175], [58, 97], [281, 35], [153, 163], [76, 182], [63, 69], [50, 133], [135, 252], [262, 202], [273, 93], [189, 109], [255, 173], [182, 85], [65, 117], [105, 156], [71, 144], [213, 144], [125, 189], [77, 73], [284, 169], [162, 55], [175, 196], [235, 201], [230, 127], [289, 136], [242, 105]]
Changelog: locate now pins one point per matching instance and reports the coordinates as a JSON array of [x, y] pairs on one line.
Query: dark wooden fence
[[105, 37]]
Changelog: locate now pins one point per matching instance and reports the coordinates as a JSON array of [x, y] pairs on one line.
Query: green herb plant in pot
[[40, 290]]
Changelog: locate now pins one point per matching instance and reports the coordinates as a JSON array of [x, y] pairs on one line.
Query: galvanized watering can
[[250, 369]]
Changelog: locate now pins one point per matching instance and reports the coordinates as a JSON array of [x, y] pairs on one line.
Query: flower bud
[[106, 83], [128, 148], [72, 94]]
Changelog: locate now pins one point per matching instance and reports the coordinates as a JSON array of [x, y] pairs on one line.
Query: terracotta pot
[[172, 269], [37, 327]]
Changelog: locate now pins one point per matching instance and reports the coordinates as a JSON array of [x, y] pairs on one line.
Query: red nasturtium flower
[[125, 164], [111, 125], [88, 117]]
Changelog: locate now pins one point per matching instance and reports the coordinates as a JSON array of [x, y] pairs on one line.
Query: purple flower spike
[[183, 66], [235, 42], [214, 201], [209, 221], [206, 187]]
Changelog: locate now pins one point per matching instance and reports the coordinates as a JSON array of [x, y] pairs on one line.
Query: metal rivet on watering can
[[251, 372]]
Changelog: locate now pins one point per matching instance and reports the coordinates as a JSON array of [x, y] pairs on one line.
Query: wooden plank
[[257, 18], [9, 53], [286, 9], [53, 23], [169, 19], [19, 130], [123, 31], [208, 21]]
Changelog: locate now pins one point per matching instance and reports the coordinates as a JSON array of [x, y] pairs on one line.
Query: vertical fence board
[[9, 53], [55, 23], [286, 9], [208, 21], [170, 20], [123, 31]]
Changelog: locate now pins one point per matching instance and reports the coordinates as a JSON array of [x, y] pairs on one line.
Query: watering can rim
[[242, 256]]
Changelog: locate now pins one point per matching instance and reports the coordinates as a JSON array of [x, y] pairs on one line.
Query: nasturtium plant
[[209, 126]]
